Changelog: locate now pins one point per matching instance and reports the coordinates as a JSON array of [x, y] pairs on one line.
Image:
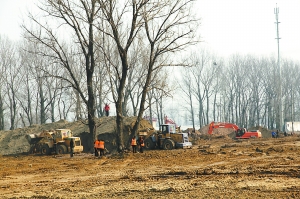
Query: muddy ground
[[216, 168]]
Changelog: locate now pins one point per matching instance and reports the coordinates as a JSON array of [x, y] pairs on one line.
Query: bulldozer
[[56, 141], [166, 138]]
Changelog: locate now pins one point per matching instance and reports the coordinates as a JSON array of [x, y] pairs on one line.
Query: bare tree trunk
[[158, 112], [161, 109], [42, 103], [1, 112], [28, 109], [78, 114], [90, 66]]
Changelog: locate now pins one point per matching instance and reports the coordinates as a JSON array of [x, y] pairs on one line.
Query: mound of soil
[[216, 132], [15, 142], [266, 133]]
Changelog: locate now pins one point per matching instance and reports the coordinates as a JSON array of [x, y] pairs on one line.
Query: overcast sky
[[227, 27]]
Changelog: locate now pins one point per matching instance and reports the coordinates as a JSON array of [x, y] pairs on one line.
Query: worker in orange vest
[[133, 144], [141, 144], [101, 147], [96, 145]]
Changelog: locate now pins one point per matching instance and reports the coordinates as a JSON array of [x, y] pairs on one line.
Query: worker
[[159, 139], [101, 147], [141, 144], [72, 148], [106, 109], [133, 144], [277, 134], [96, 143]]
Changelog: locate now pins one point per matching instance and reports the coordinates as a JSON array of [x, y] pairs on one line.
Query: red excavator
[[240, 133]]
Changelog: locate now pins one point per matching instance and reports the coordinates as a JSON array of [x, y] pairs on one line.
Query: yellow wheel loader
[[57, 142], [167, 138]]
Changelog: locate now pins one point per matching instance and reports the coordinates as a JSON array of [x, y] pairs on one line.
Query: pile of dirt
[[266, 133], [222, 133], [15, 142], [216, 132]]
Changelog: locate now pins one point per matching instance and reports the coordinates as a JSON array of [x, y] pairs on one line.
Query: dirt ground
[[216, 168]]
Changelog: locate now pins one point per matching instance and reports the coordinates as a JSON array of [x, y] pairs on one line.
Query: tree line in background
[[80, 54], [243, 89]]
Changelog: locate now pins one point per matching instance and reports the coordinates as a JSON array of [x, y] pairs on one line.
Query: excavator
[[240, 133]]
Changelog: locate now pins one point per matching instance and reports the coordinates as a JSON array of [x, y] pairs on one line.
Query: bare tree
[[118, 18], [203, 74], [4, 59], [255, 78], [187, 89], [160, 92], [169, 28], [12, 78], [79, 19], [28, 87]]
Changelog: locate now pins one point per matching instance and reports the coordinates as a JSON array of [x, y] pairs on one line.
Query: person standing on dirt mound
[[133, 144], [72, 148], [141, 144], [106, 109]]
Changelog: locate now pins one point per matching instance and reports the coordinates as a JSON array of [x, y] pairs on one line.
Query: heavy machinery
[[170, 121], [57, 141], [167, 138], [240, 133]]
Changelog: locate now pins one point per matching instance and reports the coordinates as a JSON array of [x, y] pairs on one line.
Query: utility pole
[[276, 12]]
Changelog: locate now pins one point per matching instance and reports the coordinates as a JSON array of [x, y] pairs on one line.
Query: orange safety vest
[[133, 142], [141, 141], [101, 145], [96, 143]]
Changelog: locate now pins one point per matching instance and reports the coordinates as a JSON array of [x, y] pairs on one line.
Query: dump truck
[[56, 141], [166, 138], [240, 133]]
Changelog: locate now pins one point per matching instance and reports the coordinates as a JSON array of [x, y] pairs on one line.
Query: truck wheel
[[149, 144], [61, 149], [168, 144], [45, 150]]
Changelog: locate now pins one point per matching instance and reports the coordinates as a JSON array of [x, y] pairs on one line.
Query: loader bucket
[[33, 139]]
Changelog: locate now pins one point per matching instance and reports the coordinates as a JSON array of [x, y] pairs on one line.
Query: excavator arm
[[215, 125]]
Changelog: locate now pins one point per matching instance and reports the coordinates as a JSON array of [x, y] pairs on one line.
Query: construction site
[[219, 163]]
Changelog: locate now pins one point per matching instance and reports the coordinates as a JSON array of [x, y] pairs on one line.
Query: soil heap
[[15, 142], [230, 133]]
